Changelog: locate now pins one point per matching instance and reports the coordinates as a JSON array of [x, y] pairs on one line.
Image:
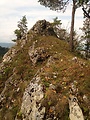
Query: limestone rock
[[31, 107], [37, 54], [75, 110], [9, 55], [42, 27], [73, 88]]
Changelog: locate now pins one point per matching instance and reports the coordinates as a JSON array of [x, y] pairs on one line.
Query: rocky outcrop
[[39, 79], [9, 55], [37, 54], [31, 107], [31, 103], [42, 27], [75, 110]]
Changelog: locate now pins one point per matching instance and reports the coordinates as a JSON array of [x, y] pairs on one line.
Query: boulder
[[75, 110], [37, 54], [31, 106]]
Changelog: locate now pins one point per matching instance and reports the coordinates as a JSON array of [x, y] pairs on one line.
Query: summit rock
[[42, 27]]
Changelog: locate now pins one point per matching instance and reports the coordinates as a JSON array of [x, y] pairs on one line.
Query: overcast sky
[[11, 11]]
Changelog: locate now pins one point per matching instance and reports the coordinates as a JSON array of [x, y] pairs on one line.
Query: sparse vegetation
[[59, 74]]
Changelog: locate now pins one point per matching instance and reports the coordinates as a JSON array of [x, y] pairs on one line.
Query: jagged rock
[[37, 54], [73, 88], [31, 107], [75, 110], [42, 27], [85, 98], [51, 86], [7, 83], [23, 42], [50, 61], [9, 55]]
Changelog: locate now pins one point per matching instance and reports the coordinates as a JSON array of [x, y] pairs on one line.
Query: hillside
[[41, 80]]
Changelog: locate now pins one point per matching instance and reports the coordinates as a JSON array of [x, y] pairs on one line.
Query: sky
[[11, 11]]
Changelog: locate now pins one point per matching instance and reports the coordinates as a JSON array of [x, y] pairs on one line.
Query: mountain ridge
[[6, 45], [40, 79]]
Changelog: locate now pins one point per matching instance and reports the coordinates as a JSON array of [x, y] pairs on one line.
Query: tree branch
[[86, 13]]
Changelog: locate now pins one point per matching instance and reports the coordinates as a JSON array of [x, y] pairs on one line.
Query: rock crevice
[[31, 107]]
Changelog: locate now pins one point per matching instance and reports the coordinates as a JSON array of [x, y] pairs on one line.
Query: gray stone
[[31, 107], [37, 54], [42, 27], [75, 110], [74, 59], [73, 88], [85, 98], [9, 55]]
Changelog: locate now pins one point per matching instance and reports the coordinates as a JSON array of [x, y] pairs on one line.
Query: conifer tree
[[22, 28], [86, 37], [59, 5]]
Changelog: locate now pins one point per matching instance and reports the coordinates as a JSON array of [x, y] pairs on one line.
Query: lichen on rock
[[37, 54], [75, 110], [42, 27], [31, 104]]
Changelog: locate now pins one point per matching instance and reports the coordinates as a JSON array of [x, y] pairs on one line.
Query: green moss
[[1, 77], [49, 103], [46, 83], [19, 115]]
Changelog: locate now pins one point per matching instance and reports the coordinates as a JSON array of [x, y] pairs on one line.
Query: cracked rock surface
[[75, 110], [31, 107]]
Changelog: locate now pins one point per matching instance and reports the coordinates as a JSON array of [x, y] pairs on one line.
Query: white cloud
[[11, 12]]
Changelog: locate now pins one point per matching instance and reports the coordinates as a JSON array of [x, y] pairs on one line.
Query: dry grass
[[61, 73]]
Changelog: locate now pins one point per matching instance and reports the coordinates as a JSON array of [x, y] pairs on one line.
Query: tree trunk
[[72, 27]]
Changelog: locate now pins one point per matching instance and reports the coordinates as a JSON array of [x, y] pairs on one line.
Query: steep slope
[[41, 80]]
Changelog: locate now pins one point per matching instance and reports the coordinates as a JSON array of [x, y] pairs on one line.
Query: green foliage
[[85, 38], [56, 22], [82, 2], [60, 32], [55, 4], [22, 28], [62, 4], [59, 5], [22, 25], [85, 7], [19, 115], [86, 28], [18, 34], [14, 110], [3, 50]]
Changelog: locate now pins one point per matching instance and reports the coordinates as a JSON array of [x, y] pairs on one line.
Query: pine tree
[[60, 32], [86, 36], [59, 5], [22, 28]]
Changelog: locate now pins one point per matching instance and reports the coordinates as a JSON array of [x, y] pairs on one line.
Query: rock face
[[9, 55], [42, 27], [75, 110], [37, 54], [31, 107]]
